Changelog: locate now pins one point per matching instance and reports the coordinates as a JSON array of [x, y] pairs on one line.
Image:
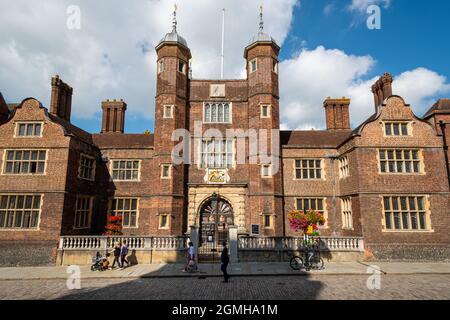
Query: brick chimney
[[4, 111], [61, 99], [113, 119], [337, 113], [382, 89]]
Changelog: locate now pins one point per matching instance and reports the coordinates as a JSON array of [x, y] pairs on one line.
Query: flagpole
[[223, 39]]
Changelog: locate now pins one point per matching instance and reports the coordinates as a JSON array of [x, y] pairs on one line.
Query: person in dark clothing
[[123, 254], [116, 253], [225, 259]]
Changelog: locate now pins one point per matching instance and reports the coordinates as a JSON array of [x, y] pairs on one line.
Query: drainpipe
[[442, 125], [332, 158]]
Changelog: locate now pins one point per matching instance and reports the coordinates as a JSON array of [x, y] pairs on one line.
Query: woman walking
[[123, 254], [116, 252]]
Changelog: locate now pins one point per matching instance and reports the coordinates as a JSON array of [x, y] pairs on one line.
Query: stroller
[[100, 263], [192, 265]]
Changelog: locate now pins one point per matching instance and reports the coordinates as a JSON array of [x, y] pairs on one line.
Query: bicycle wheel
[[317, 263], [296, 263]]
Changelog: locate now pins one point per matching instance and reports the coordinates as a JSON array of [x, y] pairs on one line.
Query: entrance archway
[[216, 215]]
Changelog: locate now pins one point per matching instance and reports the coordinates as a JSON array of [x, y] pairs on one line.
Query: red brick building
[[386, 180]]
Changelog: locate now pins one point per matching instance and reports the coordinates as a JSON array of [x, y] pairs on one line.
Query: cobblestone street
[[269, 287]]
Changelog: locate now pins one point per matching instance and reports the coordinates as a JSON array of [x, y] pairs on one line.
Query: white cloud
[[313, 75], [420, 87], [113, 56], [328, 9], [361, 5]]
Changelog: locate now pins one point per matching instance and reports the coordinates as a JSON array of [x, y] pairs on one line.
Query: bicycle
[[311, 260]]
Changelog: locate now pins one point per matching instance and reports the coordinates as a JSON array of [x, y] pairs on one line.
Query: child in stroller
[[100, 263], [191, 265]]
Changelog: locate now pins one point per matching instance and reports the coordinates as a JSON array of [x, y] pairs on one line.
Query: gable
[[395, 110]]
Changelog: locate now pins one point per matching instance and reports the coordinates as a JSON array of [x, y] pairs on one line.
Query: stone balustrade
[[80, 242], [133, 242], [293, 243], [169, 242], [136, 243], [255, 243], [80, 250], [163, 249]]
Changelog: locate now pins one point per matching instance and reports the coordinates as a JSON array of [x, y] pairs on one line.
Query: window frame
[[269, 113], [344, 167], [6, 161], [7, 210], [321, 168], [111, 169], [269, 172], [274, 65], [123, 210], [205, 165], [400, 211], [163, 165], [83, 155], [160, 219], [347, 213], [218, 103], [403, 160], [28, 123], [160, 66], [78, 212], [392, 123], [183, 71], [270, 217], [254, 60], [171, 106]]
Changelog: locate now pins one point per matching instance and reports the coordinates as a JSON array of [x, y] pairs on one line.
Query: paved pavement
[[391, 287], [212, 270]]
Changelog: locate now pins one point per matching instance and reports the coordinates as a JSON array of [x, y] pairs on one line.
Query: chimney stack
[[382, 89], [4, 111], [113, 119], [61, 99], [337, 113]]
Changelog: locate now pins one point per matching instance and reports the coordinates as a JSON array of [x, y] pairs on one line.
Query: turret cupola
[[261, 37], [173, 36]]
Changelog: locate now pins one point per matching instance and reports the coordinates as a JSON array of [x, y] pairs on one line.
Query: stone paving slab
[[213, 270], [273, 288], [414, 267]]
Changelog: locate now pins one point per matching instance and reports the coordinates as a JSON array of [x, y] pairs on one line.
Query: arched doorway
[[216, 215]]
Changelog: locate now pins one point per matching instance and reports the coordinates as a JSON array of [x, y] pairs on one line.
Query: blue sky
[[327, 50], [413, 33]]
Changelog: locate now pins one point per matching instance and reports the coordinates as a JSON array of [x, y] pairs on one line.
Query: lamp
[[214, 202]]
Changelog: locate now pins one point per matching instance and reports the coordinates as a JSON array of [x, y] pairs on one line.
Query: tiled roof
[[123, 140], [440, 105], [358, 129], [71, 129], [312, 138]]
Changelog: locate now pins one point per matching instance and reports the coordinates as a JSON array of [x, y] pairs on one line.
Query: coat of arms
[[217, 176]]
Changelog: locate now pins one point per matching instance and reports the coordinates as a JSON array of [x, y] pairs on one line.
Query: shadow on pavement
[[199, 286]]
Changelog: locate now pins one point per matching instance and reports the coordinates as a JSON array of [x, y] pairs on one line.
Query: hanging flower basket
[[308, 221], [114, 226]]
